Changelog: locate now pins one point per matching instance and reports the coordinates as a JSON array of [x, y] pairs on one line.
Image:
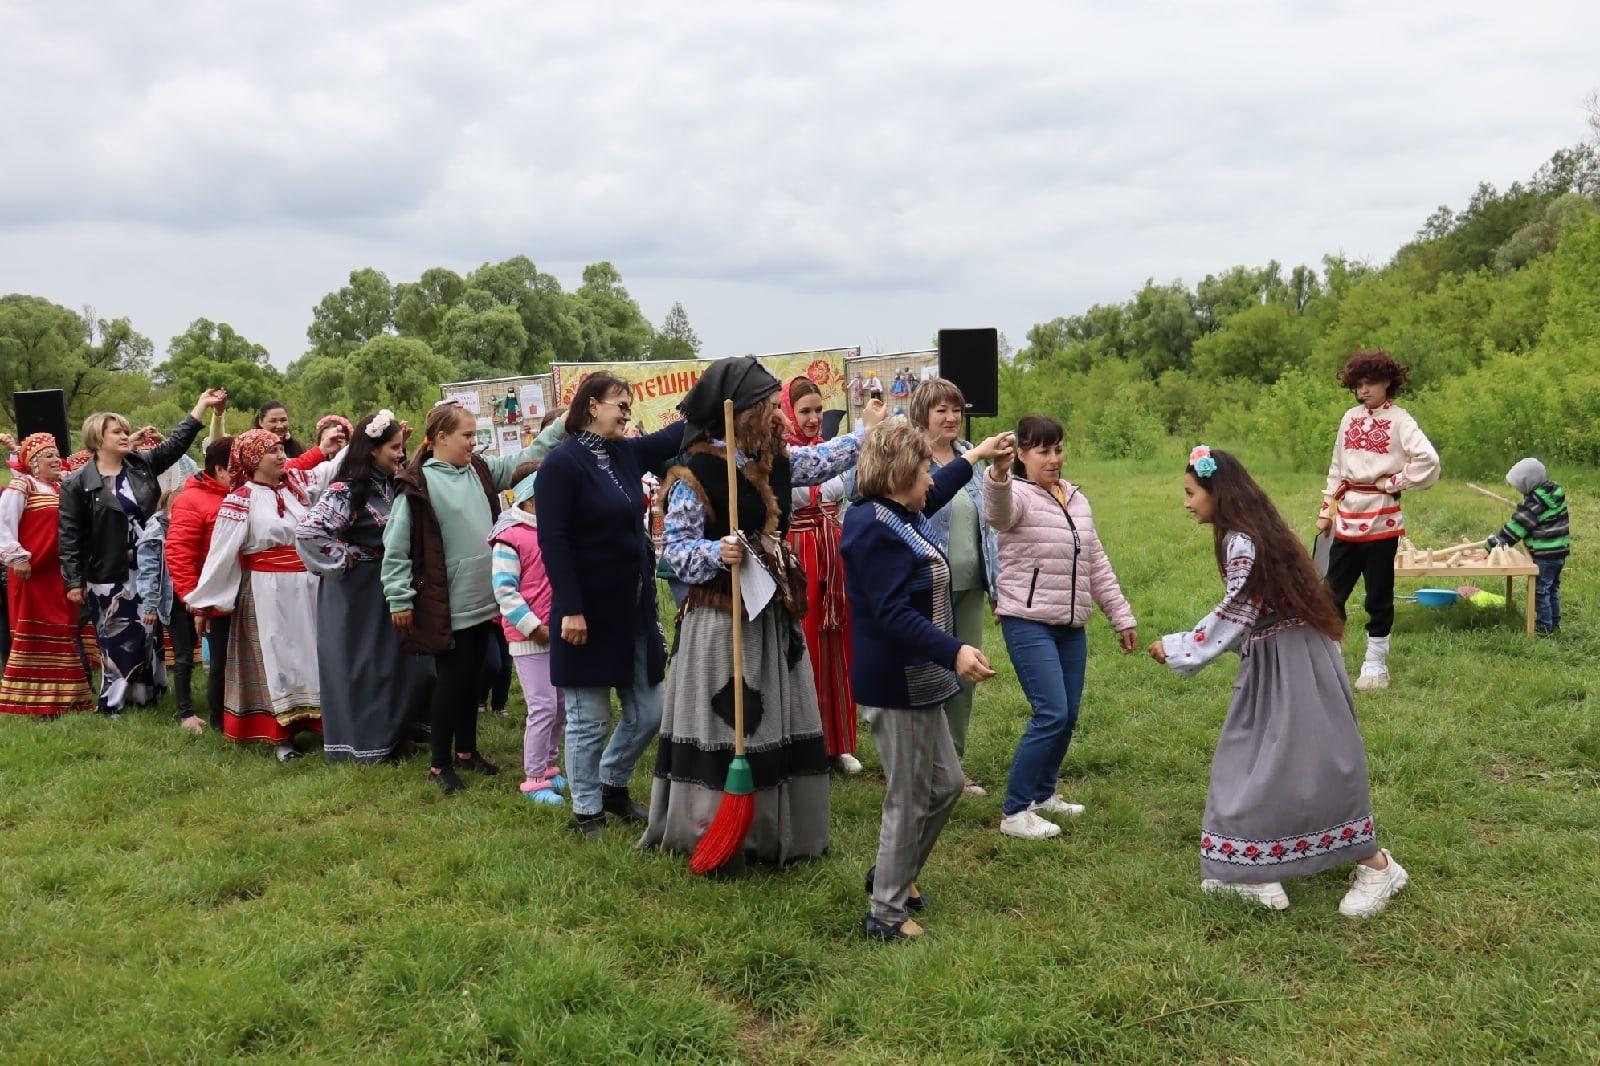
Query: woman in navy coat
[[605, 633]]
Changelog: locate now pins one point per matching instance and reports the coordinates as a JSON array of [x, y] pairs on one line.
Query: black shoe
[[878, 929], [589, 824], [447, 780], [618, 802], [478, 764], [913, 903]]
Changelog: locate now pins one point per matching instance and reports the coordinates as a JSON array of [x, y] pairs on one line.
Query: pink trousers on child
[[541, 735]]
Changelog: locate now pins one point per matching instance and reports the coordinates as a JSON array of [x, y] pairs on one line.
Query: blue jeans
[[1547, 594], [1049, 661], [591, 761]]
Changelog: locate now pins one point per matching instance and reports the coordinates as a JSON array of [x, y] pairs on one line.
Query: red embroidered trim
[[1242, 851], [1368, 435], [1352, 515]]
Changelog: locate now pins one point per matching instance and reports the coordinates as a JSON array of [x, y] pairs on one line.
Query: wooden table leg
[[1511, 604], [1530, 605]]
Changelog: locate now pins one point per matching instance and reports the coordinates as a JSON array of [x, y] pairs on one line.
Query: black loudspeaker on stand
[[970, 358], [43, 411]]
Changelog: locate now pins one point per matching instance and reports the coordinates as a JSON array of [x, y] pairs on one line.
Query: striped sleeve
[[507, 570]]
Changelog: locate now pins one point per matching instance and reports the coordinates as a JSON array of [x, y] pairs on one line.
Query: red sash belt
[[813, 518], [281, 560], [1356, 486]]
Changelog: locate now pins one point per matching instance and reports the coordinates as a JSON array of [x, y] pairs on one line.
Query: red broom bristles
[[724, 836]]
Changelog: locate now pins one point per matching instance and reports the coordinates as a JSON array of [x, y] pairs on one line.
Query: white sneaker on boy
[[1025, 825]]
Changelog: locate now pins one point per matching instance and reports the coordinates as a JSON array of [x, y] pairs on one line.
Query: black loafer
[[447, 780], [589, 824], [913, 903], [478, 764]]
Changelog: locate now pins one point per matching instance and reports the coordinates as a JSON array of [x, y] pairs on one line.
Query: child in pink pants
[[522, 590]]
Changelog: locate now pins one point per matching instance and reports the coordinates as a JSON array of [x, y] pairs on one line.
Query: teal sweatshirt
[[464, 522]]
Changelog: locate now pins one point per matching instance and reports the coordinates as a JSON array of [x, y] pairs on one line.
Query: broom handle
[[738, 607]]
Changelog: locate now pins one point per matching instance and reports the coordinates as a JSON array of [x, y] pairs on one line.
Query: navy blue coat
[[598, 557]]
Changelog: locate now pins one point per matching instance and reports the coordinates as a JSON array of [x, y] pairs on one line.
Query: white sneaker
[[1373, 676], [1057, 805], [1372, 888], [1025, 825], [1269, 894], [848, 764], [972, 788]]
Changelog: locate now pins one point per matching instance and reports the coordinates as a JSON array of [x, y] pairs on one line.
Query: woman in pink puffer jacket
[[1053, 570]]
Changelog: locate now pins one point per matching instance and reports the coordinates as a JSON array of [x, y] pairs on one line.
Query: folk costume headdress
[[794, 436], [740, 379], [249, 448], [30, 448]]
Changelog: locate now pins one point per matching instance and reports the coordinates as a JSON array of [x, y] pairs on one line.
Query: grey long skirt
[[783, 743], [372, 692], [1288, 793]]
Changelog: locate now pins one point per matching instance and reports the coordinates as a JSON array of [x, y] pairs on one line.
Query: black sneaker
[[617, 801], [478, 764], [448, 781], [878, 929], [589, 824]]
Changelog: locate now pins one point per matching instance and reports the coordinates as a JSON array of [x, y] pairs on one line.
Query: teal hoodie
[[464, 522]]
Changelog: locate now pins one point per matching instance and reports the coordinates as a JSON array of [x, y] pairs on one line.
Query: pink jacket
[[1053, 568]]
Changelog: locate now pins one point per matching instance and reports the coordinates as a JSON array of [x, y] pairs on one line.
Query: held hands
[[1324, 524], [208, 399], [732, 550], [202, 621], [575, 630], [75, 596], [1157, 651], [22, 570], [149, 620], [971, 665], [873, 413], [8, 443], [540, 635], [1129, 639], [997, 449]]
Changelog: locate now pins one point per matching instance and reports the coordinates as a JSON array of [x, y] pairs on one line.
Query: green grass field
[[178, 899]]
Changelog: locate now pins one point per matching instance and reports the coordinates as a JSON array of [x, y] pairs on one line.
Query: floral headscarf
[[30, 447], [248, 449], [334, 420], [794, 436]]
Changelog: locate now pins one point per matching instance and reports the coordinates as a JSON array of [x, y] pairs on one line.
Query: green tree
[[46, 346], [1162, 327], [676, 339], [1256, 344], [212, 355], [400, 373], [484, 343], [345, 320], [420, 306], [627, 332]]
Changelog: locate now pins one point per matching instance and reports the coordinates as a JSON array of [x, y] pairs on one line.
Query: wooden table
[[1468, 573]]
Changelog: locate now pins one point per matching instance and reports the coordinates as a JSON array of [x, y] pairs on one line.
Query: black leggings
[[457, 684], [182, 629], [495, 688], [217, 641], [1371, 561]]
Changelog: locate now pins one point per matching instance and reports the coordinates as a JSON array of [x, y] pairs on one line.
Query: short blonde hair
[[931, 394], [892, 454], [94, 428]]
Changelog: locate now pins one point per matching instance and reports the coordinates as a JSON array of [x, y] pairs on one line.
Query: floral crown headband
[[1200, 459], [380, 423]]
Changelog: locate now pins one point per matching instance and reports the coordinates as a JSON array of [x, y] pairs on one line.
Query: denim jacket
[[154, 583], [939, 522]]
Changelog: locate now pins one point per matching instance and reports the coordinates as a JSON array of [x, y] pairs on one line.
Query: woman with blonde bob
[[906, 659]]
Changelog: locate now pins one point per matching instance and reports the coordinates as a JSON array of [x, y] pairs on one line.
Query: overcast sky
[[798, 175]]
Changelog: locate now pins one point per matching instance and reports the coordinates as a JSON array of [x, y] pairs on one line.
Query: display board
[[508, 410], [911, 368], [659, 384]]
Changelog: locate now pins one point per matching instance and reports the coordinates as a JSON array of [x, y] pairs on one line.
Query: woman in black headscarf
[[783, 732]]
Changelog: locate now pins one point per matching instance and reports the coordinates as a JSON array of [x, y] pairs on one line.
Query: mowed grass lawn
[[168, 898]]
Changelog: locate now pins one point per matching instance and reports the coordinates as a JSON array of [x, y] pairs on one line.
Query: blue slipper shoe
[[545, 797], [559, 782]]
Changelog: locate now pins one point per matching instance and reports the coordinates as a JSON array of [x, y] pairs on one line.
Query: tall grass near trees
[[176, 899]]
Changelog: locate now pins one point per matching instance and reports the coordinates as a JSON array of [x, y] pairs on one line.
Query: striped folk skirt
[[271, 691]]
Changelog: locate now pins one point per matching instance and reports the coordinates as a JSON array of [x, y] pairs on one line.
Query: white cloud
[[795, 173]]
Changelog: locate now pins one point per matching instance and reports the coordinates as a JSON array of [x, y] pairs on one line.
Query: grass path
[[166, 898]]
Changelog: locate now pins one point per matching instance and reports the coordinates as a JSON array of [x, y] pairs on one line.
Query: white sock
[[1377, 651]]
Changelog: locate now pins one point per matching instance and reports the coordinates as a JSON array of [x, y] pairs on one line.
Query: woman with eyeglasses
[[601, 565]]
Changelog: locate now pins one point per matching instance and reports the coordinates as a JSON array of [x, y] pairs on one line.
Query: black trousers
[[182, 629], [458, 681], [217, 642], [1372, 562], [495, 687]]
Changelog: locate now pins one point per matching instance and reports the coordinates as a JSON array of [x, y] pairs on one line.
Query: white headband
[[380, 423]]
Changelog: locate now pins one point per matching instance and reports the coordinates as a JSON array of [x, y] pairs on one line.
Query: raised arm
[[653, 449], [502, 468]]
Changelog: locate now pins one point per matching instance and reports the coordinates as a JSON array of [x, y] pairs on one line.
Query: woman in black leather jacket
[[103, 510]]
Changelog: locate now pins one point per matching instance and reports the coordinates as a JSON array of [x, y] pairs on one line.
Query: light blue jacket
[[939, 521], [154, 583]]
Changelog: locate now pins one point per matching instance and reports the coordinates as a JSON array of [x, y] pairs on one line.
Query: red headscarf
[[248, 449], [31, 446], [794, 436]]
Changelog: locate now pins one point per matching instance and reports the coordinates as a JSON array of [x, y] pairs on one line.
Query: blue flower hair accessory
[[1200, 459]]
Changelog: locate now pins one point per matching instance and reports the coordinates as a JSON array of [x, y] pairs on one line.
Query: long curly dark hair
[[355, 462], [1376, 365], [1284, 580]]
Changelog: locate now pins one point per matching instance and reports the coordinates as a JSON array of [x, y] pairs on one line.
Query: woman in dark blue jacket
[[602, 573], [905, 658]]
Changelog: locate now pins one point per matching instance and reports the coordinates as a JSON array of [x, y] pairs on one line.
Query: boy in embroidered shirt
[[1540, 523], [1378, 454]]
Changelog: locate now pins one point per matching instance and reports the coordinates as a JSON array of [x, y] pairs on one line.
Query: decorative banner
[[659, 384], [504, 401]]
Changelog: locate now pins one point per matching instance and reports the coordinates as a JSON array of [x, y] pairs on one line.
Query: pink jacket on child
[[1053, 568]]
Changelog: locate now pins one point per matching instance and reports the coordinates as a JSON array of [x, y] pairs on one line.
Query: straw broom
[[725, 835]]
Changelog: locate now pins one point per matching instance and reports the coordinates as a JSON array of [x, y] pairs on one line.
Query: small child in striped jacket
[[1540, 522], [522, 589]]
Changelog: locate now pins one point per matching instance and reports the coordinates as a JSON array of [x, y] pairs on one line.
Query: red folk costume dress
[[44, 675], [272, 689], [814, 533]]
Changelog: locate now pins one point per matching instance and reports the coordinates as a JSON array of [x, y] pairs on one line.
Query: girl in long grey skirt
[[1288, 794]]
